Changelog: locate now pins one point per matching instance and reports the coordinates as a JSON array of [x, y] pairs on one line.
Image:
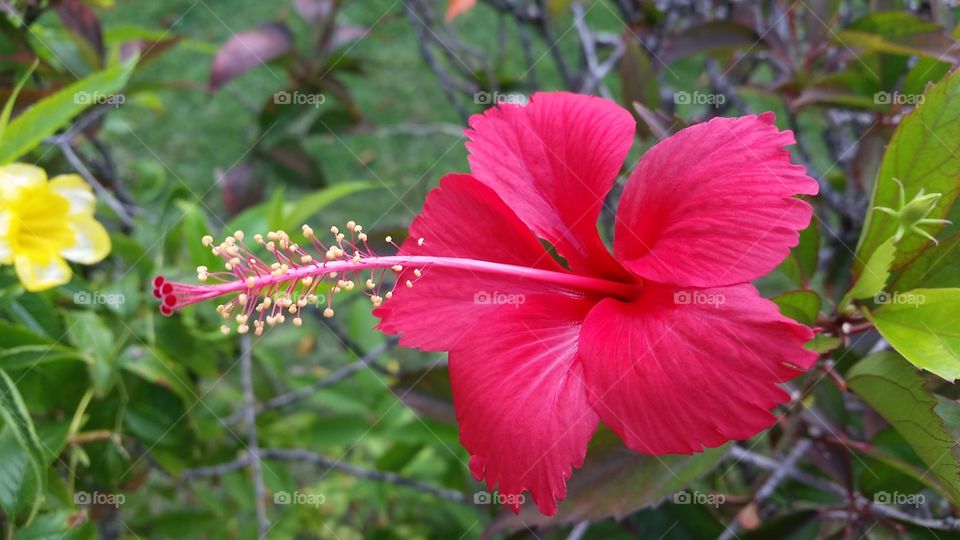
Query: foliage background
[[119, 423]]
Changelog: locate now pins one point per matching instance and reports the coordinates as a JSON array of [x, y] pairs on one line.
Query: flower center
[[38, 226]]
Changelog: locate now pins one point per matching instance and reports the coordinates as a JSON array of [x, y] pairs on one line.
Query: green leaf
[[894, 389], [921, 155], [801, 264], [308, 206], [58, 526], [616, 481], [50, 114], [95, 341], [898, 32], [922, 326], [875, 274], [801, 306], [11, 101], [17, 418], [151, 365], [937, 267]]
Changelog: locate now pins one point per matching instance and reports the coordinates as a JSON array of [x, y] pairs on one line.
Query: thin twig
[[306, 456], [291, 397], [295, 454], [104, 193], [253, 446]]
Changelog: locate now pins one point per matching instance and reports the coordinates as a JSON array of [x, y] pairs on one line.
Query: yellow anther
[[328, 313], [297, 321], [225, 330], [389, 239], [334, 230], [307, 231], [207, 241], [389, 295], [362, 237], [420, 241], [258, 238], [238, 235], [409, 284], [397, 268], [251, 282], [242, 299], [351, 224], [417, 272], [370, 284], [243, 329]]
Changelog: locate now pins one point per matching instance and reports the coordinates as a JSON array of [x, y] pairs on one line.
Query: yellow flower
[[42, 223]]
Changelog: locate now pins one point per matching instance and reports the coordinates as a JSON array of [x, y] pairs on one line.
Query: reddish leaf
[[314, 11], [249, 49], [239, 188], [708, 36], [82, 22]]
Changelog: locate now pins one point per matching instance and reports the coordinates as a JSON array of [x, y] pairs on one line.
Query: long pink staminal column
[[298, 273]]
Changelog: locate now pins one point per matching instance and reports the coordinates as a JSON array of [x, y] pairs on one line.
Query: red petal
[[517, 385], [520, 401], [553, 162], [714, 204], [678, 370], [464, 218]]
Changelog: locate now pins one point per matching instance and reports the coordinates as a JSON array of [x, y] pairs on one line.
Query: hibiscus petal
[[41, 275], [553, 162], [516, 380], [521, 405], [92, 241], [464, 218], [77, 192], [714, 204], [677, 370]]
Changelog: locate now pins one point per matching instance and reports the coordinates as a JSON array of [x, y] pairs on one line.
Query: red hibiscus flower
[[548, 333], [686, 355]]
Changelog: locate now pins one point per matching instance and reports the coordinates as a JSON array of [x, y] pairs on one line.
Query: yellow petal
[[93, 242], [76, 191], [17, 175], [41, 275], [6, 250]]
